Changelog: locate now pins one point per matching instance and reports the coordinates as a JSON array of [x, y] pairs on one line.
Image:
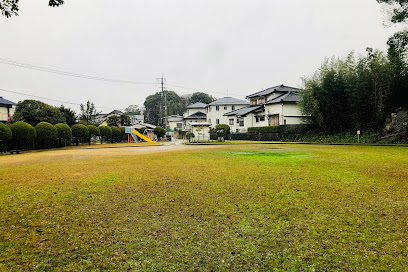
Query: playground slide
[[142, 136]]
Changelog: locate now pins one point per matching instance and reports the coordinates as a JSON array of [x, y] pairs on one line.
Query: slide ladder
[[141, 136]]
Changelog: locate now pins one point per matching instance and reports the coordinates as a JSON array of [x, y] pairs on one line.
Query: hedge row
[[263, 130], [21, 135]]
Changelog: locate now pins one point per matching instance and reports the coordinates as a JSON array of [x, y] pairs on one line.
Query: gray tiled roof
[[197, 105], [288, 97], [6, 102], [197, 115], [279, 88], [174, 118], [244, 110], [229, 101]]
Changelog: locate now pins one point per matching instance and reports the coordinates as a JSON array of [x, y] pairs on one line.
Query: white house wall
[[213, 114], [4, 113]]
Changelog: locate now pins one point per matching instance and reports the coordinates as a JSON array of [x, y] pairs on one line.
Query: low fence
[[255, 136]]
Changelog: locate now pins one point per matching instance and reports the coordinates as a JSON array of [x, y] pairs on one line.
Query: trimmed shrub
[[64, 133], [222, 130], [106, 132], [116, 133], [5, 136], [93, 131], [142, 130], [47, 134], [5, 133], [79, 131], [189, 136], [23, 134], [159, 131], [122, 131], [274, 129]]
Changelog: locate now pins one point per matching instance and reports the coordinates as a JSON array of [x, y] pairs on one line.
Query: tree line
[[360, 92]]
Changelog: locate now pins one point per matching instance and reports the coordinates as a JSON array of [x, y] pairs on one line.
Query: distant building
[[6, 110], [275, 106], [195, 113], [217, 109]]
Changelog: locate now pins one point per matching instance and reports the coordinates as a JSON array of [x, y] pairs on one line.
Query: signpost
[[358, 135]]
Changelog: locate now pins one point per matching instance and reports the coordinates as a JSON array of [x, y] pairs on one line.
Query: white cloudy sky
[[220, 46]]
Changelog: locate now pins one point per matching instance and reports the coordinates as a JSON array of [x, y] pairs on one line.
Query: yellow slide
[[142, 136]]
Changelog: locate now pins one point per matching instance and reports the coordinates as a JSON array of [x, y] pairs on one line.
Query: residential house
[[217, 109], [274, 106], [195, 113], [135, 119], [101, 119], [6, 110]]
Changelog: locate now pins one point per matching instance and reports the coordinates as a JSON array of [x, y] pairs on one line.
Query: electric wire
[[65, 73], [54, 100]]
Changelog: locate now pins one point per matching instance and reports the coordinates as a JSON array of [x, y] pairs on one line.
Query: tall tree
[[69, 115], [399, 9], [10, 7], [201, 97], [154, 106], [133, 109], [34, 112], [88, 113]]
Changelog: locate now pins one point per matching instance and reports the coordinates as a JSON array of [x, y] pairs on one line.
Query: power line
[[65, 73], [50, 99]]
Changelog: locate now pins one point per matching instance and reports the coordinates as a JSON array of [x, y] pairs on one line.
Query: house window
[[233, 107], [256, 119], [241, 122], [217, 121], [179, 125], [209, 120], [231, 121], [225, 107], [217, 108], [262, 118]]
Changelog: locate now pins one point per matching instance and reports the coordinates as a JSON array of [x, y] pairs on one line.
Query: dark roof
[[197, 115], [197, 105], [288, 97], [229, 101], [244, 111], [118, 112], [279, 88], [6, 102]]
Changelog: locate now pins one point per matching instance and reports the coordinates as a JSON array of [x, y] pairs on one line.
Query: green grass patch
[[221, 208]]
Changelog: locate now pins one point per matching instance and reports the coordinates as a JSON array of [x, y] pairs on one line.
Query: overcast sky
[[218, 46]]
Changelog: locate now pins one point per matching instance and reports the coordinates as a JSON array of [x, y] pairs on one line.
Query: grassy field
[[202, 208]]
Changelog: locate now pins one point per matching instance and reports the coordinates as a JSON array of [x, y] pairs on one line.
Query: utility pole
[[163, 102]]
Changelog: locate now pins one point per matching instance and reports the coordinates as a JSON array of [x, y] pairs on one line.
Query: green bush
[[64, 134], [23, 134], [159, 131], [5, 133], [263, 129], [64, 131], [122, 130], [47, 134], [142, 130], [190, 135], [93, 131], [79, 131], [222, 130], [116, 133], [105, 131]]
